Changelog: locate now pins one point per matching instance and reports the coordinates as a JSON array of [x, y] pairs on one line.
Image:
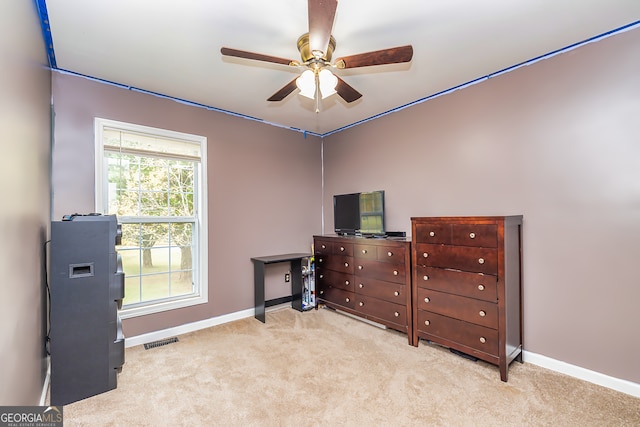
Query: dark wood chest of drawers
[[467, 285], [369, 278]]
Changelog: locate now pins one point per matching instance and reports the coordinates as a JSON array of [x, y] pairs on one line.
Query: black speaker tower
[[87, 288]]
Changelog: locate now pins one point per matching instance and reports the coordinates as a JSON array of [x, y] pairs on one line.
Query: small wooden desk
[[296, 280]]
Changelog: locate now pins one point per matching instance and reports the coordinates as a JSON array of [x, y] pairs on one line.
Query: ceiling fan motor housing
[[305, 51]]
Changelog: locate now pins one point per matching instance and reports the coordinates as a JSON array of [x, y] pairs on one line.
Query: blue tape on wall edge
[[46, 32], [599, 37]]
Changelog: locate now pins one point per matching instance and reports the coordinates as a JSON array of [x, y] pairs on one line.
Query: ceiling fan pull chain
[[317, 92]]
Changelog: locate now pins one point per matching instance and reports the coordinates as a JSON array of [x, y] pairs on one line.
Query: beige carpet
[[323, 368]]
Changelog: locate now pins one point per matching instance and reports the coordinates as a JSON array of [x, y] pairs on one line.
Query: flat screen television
[[359, 213]]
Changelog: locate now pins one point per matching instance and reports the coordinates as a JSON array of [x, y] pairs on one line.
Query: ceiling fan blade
[[284, 92], [346, 91], [394, 55], [256, 56], [321, 16]]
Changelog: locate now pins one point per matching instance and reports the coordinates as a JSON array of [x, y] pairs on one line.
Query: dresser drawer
[[322, 247], [337, 296], [343, 248], [433, 233], [335, 279], [482, 235], [380, 270], [473, 285], [339, 263], [365, 252], [468, 334], [391, 254], [394, 313], [388, 291], [481, 260], [471, 310]]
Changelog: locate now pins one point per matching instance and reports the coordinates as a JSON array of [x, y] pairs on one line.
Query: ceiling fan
[[316, 49]]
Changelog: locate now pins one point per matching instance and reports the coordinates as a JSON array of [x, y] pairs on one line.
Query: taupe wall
[[25, 88], [556, 141], [263, 183]]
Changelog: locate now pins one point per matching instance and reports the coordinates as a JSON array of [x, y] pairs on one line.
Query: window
[[154, 180]]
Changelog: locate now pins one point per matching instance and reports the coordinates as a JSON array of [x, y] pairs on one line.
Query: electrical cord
[[47, 340]]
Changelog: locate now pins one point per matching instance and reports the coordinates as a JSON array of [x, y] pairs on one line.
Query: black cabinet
[[87, 288]]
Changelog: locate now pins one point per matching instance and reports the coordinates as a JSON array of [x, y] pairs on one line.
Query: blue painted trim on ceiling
[[184, 101], [497, 73], [46, 32]]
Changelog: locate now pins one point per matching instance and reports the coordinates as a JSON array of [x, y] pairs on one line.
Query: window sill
[[127, 313]]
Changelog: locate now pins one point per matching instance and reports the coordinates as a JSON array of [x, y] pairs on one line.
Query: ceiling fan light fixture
[[316, 48], [307, 84], [328, 82]]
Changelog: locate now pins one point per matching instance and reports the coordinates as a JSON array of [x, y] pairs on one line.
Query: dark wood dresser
[[467, 285], [366, 277]]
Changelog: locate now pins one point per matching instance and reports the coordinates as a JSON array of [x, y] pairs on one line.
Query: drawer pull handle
[[481, 287], [425, 277], [396, 314], [472, 235], [427, 299], [432, 233], [426, 322], [482, 313], [483, 340], [346, 282], [361, 285], [347, 299], [360, 267], [396, 293], [324, 247], [361, 303], [322, 276], [425, 255], [321, 292], [389, 253], [364, 251], [346, 264], [319, 259], [480, 260], [395, 272], [341, 248]]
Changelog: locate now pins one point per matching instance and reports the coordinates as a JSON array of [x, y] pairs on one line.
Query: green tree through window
[[151, 183]]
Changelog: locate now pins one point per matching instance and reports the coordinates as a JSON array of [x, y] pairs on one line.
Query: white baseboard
[[186, 328], [594, 377], [195, 326], [276, 307], [613, 383], [45, 386]]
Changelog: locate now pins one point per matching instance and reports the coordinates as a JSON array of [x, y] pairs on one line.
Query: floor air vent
[[160, 343]]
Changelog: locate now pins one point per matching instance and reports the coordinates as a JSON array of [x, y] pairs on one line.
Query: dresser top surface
[[365, 240], [468, 219]]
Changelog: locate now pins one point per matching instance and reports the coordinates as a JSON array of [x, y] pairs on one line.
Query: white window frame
[[200, 276]]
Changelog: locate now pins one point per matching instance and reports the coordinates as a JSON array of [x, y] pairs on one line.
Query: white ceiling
[[172, 47]]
